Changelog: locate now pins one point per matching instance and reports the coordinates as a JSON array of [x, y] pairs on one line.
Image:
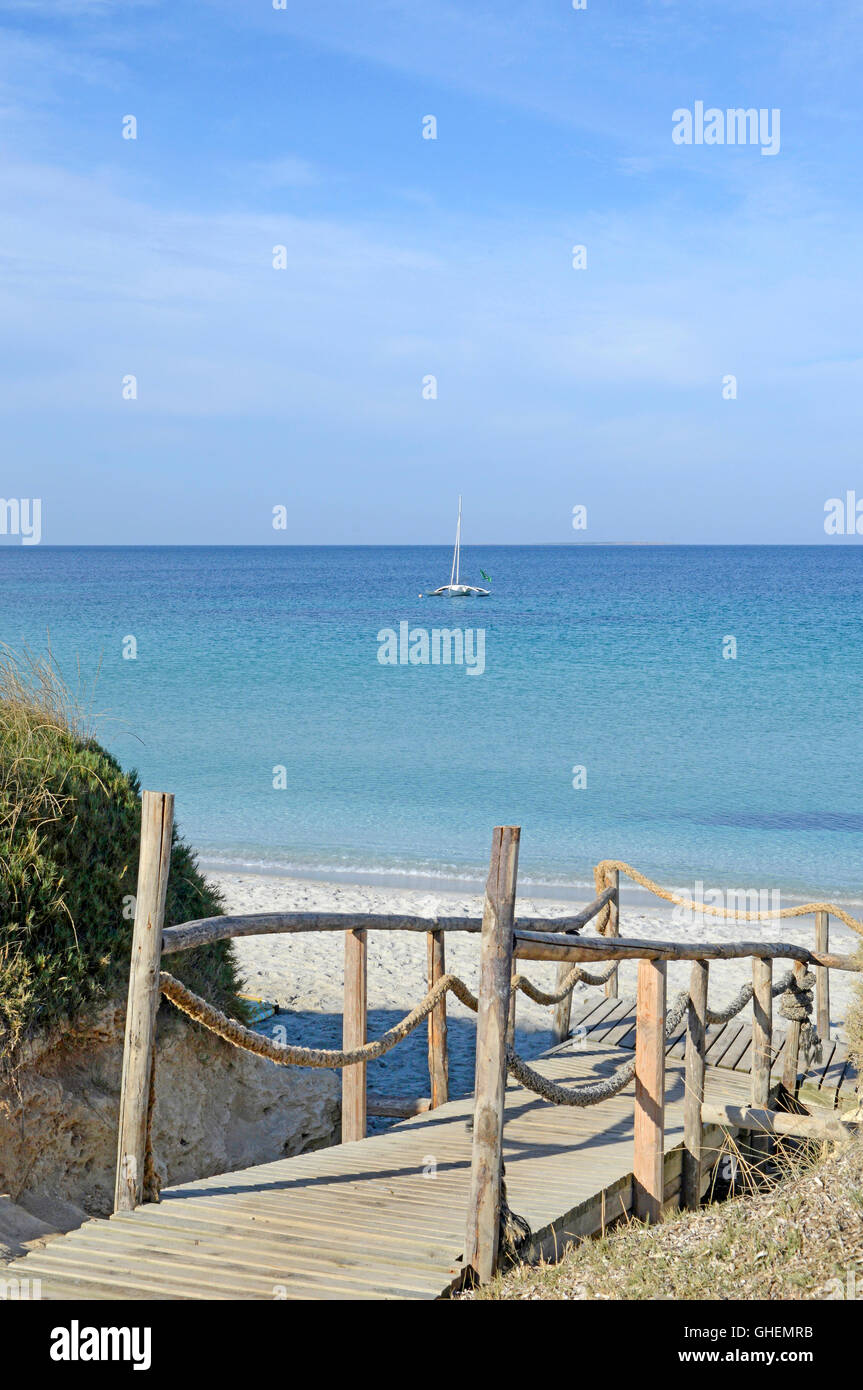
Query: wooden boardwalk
[[829, 1083], [384, 1217]]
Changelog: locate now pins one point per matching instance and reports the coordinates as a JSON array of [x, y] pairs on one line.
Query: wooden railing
[[503, 940], [152, 941]]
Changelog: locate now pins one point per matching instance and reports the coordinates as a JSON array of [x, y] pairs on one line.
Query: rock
[[217, 1109]]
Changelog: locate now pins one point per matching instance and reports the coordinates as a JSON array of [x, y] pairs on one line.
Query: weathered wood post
[[822, 977], [563, 1011], [483, 1213], [154, 863], [792, 1041], [510, 1022], [649, 1156], [762, 1045], [696, 1061], [354, 1025], [613, 927], [438, 1051]]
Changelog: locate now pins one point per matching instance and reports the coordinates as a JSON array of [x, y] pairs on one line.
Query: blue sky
[[407, 257]]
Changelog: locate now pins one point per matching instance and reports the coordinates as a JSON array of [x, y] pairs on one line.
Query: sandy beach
[[302, 973]]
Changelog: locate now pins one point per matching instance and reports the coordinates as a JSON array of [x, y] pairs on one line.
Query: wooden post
[[696, 1060], [510, 1021], [649, 1159], [613, 928], [762, 1032], [483, 1214], [562, 1011], [822, 977], [792, 1042], [438, 1053], [762, 1044], [154, 864], [354, 1035]]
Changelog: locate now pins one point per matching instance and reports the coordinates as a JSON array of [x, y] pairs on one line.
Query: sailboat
[[455, 589]]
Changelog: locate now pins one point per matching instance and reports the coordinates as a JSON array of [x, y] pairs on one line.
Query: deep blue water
[[744, 772]]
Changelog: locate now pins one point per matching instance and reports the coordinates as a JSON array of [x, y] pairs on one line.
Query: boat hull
[[458, 591]]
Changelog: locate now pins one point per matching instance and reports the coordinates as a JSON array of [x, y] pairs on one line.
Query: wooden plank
[[361, 1219], [622, 1034], [154, 863], [822, 977], [649, 1130], [741, 1045], [437, 1030], [827, 1056], [778, 1122], [256, 1258], [613, 927], [714, 1033], [207, 930], [723, 1043], [199, 1279], [544, 945], [398, 1107], [778, 1061], [832, 1080], [405, 1224], [618, 1010], [762, 1045], [483, 1216], [591, 1014], [354, 1026], [791, 1060], [696, 1063], [563, 1010]]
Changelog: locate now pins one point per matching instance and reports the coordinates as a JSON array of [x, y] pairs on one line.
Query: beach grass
[[854, 1019], [801, 1237], [69, 832]]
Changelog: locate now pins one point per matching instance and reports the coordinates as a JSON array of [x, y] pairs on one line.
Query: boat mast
[[455, 555]]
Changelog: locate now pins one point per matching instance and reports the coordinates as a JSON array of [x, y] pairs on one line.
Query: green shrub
[[69, 834]]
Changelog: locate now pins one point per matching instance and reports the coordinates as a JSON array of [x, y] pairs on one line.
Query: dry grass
[[38, 714], [854, 1021], [69, 832], [787, 1242]]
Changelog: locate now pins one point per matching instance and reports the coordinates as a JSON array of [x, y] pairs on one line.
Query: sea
[[693, 710]]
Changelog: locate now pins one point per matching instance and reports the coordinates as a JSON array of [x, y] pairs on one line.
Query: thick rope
[[803, 910], [744, 995], [285, 1054], [590, 1092], [796, 1005], [576, 976]]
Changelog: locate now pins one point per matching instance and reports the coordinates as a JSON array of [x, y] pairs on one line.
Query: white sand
[[302, 973]]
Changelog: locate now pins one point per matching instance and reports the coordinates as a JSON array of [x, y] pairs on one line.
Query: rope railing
[[288, 1055], [503, 939], [605, 866], [796, 1006]]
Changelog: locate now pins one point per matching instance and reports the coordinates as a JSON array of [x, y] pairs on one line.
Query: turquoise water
[[743, 772]]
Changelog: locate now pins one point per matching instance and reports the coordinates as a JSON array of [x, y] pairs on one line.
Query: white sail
[[453, 578]]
